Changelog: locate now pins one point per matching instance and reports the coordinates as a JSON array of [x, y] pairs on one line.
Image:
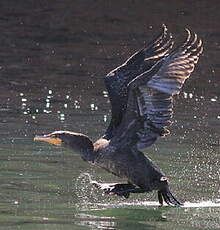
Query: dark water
[[53, 57]]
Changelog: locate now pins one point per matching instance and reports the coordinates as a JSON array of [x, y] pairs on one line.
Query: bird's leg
[[118, 189], [126, 189], [114, 188]]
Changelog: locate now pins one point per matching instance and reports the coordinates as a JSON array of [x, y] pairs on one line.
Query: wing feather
[[157, 95], [152, 92], [178, 66], [117, 80]]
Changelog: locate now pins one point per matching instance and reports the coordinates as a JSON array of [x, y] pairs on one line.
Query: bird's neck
[[87, 154], [84, 146]]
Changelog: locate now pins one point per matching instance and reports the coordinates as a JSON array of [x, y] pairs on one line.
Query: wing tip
[[164, 27]]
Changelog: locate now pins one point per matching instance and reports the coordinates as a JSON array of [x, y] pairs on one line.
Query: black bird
[[141, 94]]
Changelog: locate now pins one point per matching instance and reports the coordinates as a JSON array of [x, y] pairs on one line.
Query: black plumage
[[141, 94]]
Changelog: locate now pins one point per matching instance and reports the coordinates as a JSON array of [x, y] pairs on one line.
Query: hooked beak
[[49, 139]]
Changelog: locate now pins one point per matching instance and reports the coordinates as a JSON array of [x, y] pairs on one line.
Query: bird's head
[[76, 141]]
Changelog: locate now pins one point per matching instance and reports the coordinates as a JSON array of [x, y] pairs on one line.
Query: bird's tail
[[166, 195]]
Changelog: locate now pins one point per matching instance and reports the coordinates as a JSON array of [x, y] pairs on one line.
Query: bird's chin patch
[[51, 140]]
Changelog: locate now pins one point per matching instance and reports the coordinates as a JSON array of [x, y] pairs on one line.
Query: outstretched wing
[[150, 104], [117, 80]]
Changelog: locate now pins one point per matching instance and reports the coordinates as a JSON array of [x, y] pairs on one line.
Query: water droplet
[[62, 117], [105, 93], [185, 94], [50, 91], [23, 99], [92, 106], [47, 111]]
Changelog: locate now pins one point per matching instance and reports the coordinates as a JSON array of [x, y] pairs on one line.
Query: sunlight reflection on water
[[55, 104]]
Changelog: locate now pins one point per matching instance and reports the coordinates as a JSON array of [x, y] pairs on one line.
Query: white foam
[[202, 204], [199, 204]]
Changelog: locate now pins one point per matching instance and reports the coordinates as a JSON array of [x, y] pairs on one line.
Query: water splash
[[201, 204], [85, 191]]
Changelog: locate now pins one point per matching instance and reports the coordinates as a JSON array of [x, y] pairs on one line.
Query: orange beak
[[48, 139]]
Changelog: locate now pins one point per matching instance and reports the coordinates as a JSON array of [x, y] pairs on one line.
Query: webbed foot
[[168, 197], [114, 188]]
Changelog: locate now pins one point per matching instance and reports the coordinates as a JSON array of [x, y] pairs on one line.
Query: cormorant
[[141, 94]]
